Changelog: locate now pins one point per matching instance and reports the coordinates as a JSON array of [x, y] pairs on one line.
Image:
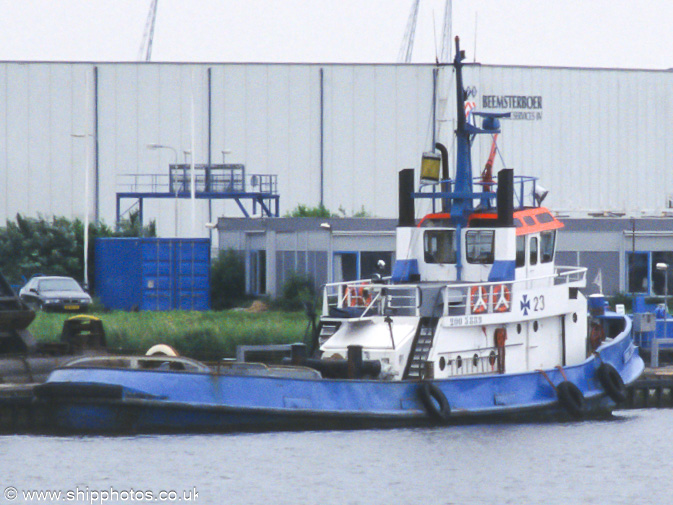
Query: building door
[[257, 278], [346, 266]]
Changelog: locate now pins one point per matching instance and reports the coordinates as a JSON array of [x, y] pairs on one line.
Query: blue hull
[[117, 400]]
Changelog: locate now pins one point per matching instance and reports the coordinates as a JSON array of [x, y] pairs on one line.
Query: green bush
[[227, 280], [622, 298], [302, 210], [296, 291], [55, 246]]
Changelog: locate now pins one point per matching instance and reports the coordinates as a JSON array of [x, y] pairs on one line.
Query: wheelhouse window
[[520, 251], [547, 239], [440, 246], [533, 251], [479, 246]]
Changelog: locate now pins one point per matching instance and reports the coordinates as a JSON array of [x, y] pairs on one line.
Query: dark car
[[61, 294]]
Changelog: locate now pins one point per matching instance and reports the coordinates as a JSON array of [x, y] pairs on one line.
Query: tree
[[302, 210], [55, 246], [227, 280]]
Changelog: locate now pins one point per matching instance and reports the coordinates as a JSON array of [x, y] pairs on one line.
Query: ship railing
[[473, 365], [480, 298], [525, 191], [207, 179], [364, 298], [570, 275], [477, 298], [152, 362]]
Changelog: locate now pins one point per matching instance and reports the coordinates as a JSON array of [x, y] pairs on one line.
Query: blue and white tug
[[477, 322]]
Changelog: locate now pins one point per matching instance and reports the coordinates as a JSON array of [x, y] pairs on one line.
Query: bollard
[[428, 370], [298, 353], [354, 361]]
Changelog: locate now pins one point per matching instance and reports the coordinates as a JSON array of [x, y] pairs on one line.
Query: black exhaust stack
[[445, 174], [407, 209], [505, 198]]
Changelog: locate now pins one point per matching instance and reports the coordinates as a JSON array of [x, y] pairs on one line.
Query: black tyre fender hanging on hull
[[612, 382], [571, 398], [434, 401]]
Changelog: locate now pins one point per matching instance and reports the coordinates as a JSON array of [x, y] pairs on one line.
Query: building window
[[369, 264], [352, 266], [637, 272], [658, 276], [479, 246], [642, 275], [346, 266], [440, 246]]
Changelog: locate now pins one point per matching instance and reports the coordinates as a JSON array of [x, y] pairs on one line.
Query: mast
[[463, 196], [461, 205]]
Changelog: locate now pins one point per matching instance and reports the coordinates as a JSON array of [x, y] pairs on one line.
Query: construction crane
[[407, 46], [445, 56], [145, 52]]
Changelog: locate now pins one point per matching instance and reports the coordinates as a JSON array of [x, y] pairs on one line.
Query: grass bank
[[202, 335]]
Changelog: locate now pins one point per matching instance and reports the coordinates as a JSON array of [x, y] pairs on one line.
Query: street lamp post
[[663, 267], [86, 204], [175, 162]]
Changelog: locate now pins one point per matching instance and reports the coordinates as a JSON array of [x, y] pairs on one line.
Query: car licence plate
[[71, 307]]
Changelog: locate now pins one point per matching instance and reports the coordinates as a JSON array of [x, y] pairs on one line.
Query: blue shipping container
[[153, 273]]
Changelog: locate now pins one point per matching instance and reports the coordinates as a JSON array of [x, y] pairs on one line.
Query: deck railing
[[364, 298], [179, 182]]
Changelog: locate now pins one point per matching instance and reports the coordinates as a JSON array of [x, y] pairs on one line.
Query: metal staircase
[[425, 334]]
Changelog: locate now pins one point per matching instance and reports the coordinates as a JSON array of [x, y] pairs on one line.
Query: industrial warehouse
[[112, 138]]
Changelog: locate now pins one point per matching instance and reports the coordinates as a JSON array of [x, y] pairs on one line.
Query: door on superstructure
[[532, 259]]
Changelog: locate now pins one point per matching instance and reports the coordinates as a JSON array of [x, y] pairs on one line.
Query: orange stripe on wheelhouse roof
[[526, 221], [535, 220]]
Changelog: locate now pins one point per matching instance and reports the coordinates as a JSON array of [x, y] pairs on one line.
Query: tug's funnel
[[407, 209], [505, 197]]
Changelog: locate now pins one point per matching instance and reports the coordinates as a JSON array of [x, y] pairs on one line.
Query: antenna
[[434, 31], [476, 18]]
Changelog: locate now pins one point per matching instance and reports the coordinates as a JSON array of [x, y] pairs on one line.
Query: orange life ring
[[502, 298], [478, 298], [358, 296]]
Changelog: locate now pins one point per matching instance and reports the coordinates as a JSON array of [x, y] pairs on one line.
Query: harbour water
[[626, 460]]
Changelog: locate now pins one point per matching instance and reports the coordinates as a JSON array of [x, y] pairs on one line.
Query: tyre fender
[[571, 398], [612, 382], [435, 402]]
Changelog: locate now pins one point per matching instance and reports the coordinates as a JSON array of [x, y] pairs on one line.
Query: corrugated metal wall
[[598, 143]]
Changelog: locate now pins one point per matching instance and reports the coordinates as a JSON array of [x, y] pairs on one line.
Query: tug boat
[[476, 323]]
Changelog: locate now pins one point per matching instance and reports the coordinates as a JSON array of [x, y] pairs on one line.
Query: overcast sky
[[584, 33]]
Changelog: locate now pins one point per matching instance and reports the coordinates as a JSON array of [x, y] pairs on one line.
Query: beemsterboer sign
[[522, 107]]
